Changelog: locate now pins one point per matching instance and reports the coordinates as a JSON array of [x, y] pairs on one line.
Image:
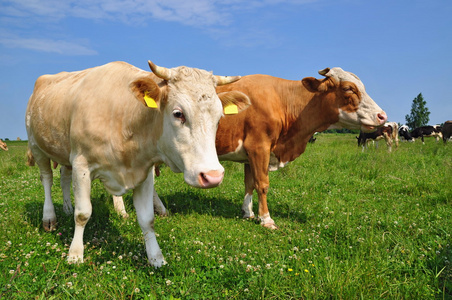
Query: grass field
[[352, 225]]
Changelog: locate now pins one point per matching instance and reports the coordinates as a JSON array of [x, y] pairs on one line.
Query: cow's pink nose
[[210, 179], [382, 117]]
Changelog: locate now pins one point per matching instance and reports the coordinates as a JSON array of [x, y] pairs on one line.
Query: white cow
[[114, 123]]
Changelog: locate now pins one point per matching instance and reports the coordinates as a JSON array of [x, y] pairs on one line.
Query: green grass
[[352, 225]]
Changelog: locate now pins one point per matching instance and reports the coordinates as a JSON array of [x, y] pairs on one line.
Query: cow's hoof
[[247, 215], [49, 225], [271, 226], [158, 263], [123, 214], [73, 259]]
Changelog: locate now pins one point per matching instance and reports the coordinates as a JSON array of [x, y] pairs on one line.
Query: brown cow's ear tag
[[150, 102], [231, 109]]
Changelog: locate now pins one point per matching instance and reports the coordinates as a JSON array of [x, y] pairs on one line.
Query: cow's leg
[[81, 185], [388, 141], [247, 207], [158, 205], [46, 175], [65, 183], [143, 202], [259, 160], [118, 203]]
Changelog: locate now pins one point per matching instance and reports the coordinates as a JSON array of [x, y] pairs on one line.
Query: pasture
[[352, 225]]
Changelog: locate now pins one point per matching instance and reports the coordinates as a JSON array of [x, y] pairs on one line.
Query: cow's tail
[[30, 158]]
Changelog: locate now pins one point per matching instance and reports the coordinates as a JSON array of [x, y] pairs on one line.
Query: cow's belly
[[119, 182], [240, 155]]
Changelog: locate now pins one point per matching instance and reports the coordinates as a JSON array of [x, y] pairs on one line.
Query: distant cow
[[3, 145], [427, 131], [446, 131], [114, 123], [404, 133], [389, 132]]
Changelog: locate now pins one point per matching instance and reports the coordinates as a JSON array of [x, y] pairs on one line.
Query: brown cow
[[3, 145], [283, 116]]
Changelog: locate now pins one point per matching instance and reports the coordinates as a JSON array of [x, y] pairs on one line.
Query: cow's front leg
[[247, 207], [259, 161], [81, 185], [143, 202]]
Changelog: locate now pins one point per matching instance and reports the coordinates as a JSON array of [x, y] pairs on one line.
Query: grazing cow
[[404, 133], [3, 145], [446, 131], [114, 123], [427, 131], [389, 132]]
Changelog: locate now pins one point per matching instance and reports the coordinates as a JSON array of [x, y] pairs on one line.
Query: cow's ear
[[315, 85], [146, 91], [234, 102]]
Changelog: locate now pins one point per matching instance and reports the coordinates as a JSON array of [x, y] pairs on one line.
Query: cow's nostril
[[382, 117]]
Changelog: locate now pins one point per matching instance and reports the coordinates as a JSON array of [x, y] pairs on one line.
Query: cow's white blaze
[[187, 143]]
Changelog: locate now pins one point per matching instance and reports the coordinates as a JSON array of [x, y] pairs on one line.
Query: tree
[[419, 115]]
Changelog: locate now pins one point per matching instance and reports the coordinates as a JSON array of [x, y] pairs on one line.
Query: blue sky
[[399, 48]]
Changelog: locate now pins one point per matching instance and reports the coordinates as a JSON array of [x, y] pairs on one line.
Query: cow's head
[[191, 111], [355, 108]]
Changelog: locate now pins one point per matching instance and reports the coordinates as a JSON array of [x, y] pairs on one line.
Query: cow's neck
[[306, 113]]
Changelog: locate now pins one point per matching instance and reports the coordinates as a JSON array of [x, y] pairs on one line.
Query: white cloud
[[47, 45], [190, 12]]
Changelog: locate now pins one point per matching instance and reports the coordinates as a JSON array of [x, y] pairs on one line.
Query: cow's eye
[[178, 114]]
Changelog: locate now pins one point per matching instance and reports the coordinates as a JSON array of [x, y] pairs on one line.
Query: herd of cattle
[[391, 133], [118, 123]]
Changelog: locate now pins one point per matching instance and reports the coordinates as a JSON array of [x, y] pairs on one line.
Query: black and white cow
[[389, 132], [447, 131], [404, 133], [427, 131]]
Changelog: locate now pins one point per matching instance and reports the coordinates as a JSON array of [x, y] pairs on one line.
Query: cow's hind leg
[[65, 182], [247, 207], [159, 208], [118, 203], [48, 215], [143, 202]]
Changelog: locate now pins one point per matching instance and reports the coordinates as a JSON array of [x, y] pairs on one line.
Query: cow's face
[[354, 107], [191, 111]]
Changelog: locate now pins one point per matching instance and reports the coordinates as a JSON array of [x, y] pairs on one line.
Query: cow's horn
[[324, 71], [222, 80], [161, 72]]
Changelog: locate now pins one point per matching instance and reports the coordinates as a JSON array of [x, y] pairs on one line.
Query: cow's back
[[77, 109], [265, 117]]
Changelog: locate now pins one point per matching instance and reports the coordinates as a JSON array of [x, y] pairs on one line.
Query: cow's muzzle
[[210, 179]]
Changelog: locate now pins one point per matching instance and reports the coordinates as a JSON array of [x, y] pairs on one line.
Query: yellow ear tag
[[231, 109], [150, 102]]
